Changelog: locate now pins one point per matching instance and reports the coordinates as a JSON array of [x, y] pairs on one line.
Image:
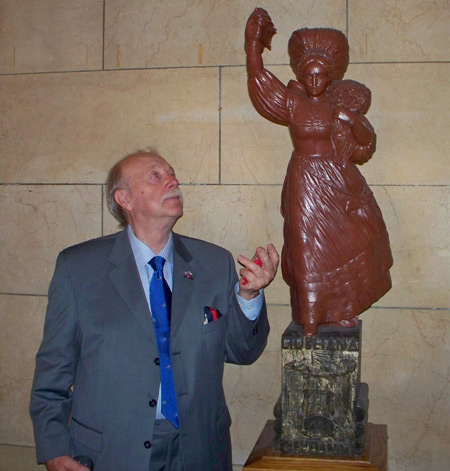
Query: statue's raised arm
[[268, 94], [258, 35]]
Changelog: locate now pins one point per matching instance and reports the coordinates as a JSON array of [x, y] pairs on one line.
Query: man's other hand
[[258, 277], [64, 463]]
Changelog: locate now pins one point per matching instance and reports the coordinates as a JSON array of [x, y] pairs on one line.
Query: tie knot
[[157, 263]]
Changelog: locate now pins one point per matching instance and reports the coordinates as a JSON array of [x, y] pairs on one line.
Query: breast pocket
[[217, 325], [211, 350]]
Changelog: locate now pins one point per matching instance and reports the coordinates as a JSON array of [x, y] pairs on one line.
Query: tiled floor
[[22, 458]]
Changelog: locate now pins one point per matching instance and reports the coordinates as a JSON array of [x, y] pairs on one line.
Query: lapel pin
[[188, 275]]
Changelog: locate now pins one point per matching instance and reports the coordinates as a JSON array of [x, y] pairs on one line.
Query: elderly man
[[138, 327]]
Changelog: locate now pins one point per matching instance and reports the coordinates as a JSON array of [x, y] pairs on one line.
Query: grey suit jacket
[[99, 338]]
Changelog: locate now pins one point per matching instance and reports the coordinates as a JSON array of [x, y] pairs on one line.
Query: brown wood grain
[[265, 458]]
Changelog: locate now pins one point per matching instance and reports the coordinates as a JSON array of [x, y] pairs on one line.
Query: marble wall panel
[[405, 363], [36, 222], [20, 457], [200, 32], [73, 127], [409, 112], [399, 30], [417, 219], [411, 125], [253, 150], [21, 323], [48, 36], [239, 218]]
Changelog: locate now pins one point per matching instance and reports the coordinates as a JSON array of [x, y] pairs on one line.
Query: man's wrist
[[248, 294], [251, 308]]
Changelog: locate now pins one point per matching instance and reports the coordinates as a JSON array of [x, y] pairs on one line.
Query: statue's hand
[[344, 115], [260, 28]]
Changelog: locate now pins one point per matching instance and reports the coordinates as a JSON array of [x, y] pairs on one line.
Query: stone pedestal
[[323, 404]]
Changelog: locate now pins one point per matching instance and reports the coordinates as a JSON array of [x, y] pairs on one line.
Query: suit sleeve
[[246, 339], [56, 365]]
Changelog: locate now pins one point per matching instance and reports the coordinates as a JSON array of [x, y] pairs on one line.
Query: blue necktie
[[160, 304]]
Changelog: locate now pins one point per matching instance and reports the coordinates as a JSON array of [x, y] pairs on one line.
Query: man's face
[[152, 189]]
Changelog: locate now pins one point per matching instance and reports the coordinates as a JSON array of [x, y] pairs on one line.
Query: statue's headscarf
[[324, 45]]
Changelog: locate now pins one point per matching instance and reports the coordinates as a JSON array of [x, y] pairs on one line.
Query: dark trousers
[[166, 451]]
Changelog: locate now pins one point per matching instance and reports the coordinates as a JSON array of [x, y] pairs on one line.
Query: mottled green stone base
[[323, 404]]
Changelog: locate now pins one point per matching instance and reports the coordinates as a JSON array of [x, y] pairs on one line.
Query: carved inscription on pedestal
[[323, 406]]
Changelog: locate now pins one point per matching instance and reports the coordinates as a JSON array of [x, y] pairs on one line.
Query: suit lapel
[[183, 283], [125, 278]]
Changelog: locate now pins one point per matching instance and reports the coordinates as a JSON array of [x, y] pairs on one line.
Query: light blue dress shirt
[[143, 254]]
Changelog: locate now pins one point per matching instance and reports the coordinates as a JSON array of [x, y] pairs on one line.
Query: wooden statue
[[336, 254]]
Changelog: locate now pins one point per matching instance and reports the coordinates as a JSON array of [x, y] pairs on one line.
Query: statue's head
[[325, 46], [315, 77]]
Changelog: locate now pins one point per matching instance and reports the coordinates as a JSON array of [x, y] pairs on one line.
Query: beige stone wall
[[84, 82]]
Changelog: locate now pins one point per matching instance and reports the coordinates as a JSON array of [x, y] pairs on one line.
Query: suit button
[[156, 361], [152, 403], [147, 444]]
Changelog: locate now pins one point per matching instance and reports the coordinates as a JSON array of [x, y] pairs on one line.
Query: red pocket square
[[210, 314]]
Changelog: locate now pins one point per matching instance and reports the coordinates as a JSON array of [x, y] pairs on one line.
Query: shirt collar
[[143, 254]]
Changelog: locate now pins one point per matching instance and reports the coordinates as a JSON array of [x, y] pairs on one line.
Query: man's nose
[[172, 182]]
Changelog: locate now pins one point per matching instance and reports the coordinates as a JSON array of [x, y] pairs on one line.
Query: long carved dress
[[336, 254]]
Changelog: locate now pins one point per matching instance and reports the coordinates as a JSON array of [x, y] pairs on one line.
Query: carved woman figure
[[336, 254]]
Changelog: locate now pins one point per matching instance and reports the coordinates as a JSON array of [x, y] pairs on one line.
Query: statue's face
[[315, 78]]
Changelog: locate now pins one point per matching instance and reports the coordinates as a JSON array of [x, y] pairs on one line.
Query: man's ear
[[122, 198]]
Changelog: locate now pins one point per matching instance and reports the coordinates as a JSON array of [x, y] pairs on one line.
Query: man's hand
[[64, 463], [258, 277]]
